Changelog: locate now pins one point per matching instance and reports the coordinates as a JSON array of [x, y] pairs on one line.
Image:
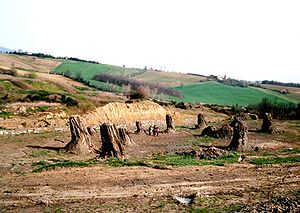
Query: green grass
[[39, 153], [200, 140], [187, 160], [216, 93], [114, 162], [264, 161], [47, 86], [5, 114], [88, 70], [156, 162]]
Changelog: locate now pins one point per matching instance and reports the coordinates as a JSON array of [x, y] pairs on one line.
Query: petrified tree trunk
[[126, 140], [80, 138], [113, 141], [224, 132], [91, 130], [267, 125], [170, 124], [209, 131], [138, 127], [239, 140], [201, 122]]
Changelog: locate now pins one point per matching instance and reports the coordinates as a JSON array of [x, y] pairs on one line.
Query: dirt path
[[141, 184]]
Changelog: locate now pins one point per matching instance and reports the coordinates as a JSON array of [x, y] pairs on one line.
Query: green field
[[88, 70], [216, 93]]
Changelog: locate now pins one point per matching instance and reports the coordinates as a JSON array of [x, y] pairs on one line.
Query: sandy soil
[[101, 188]]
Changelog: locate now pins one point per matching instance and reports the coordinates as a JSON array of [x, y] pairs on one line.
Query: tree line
[[281, 83], [145, 87], [43, 55], [238, 83], [277, 109]]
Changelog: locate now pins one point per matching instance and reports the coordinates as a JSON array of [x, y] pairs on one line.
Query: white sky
[[251, 40]]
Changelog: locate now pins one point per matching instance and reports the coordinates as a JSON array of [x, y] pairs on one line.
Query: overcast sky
[[251, 40]]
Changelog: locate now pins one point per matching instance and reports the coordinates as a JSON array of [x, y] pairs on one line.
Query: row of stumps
[[113, 139]]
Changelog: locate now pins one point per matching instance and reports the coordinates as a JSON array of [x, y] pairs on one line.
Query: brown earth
[[291, 91], [102, 188], [29, 63], [169, 79]]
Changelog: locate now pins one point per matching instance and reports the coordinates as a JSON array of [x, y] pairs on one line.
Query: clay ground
[[148, 188]]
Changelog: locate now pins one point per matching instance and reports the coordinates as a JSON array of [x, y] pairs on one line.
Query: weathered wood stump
[[124, 137], [170, 124], [224, 131], [239, 140], [91, 130], [201, 122], [139, 127], [267, 125], [81, 142], [113, 141], [209, 131]]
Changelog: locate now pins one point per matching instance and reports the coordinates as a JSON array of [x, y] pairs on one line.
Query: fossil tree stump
[[224, 131], [91, 130], [208, 131], [267, 125], [124, 137], [170, 124], [239, 140], [138, 127], [201, 123], [113, 141], [81, 142]]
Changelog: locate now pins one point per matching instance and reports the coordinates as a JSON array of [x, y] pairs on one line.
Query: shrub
[[136, 85], [278, 110], [32, 75]]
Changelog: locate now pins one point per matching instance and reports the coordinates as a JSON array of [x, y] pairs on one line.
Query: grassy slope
[[216, 93], [169, 79], [88, 70]]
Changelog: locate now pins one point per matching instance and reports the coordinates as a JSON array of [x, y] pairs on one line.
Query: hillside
[[28, 63], [168, 79], [188, 85], [216, 93], [293, 92]]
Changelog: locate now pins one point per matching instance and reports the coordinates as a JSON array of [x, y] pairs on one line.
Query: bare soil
[[102, 188]]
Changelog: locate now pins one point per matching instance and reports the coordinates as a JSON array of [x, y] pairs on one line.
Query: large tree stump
[[239, 140], [113, 141], [201, 123], [267, 125], [209, 131], [170, 124], [224, 131], [139, 127], [124, 137], [81, 142]]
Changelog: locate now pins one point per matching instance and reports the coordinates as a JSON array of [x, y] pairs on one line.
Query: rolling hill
[[193, 91], [212, 92]]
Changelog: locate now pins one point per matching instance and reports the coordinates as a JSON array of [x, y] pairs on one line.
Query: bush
[[32, 75], [278, 110], [136, 85]]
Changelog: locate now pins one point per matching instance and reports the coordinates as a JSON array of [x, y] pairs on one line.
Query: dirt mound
[[127, 114]]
